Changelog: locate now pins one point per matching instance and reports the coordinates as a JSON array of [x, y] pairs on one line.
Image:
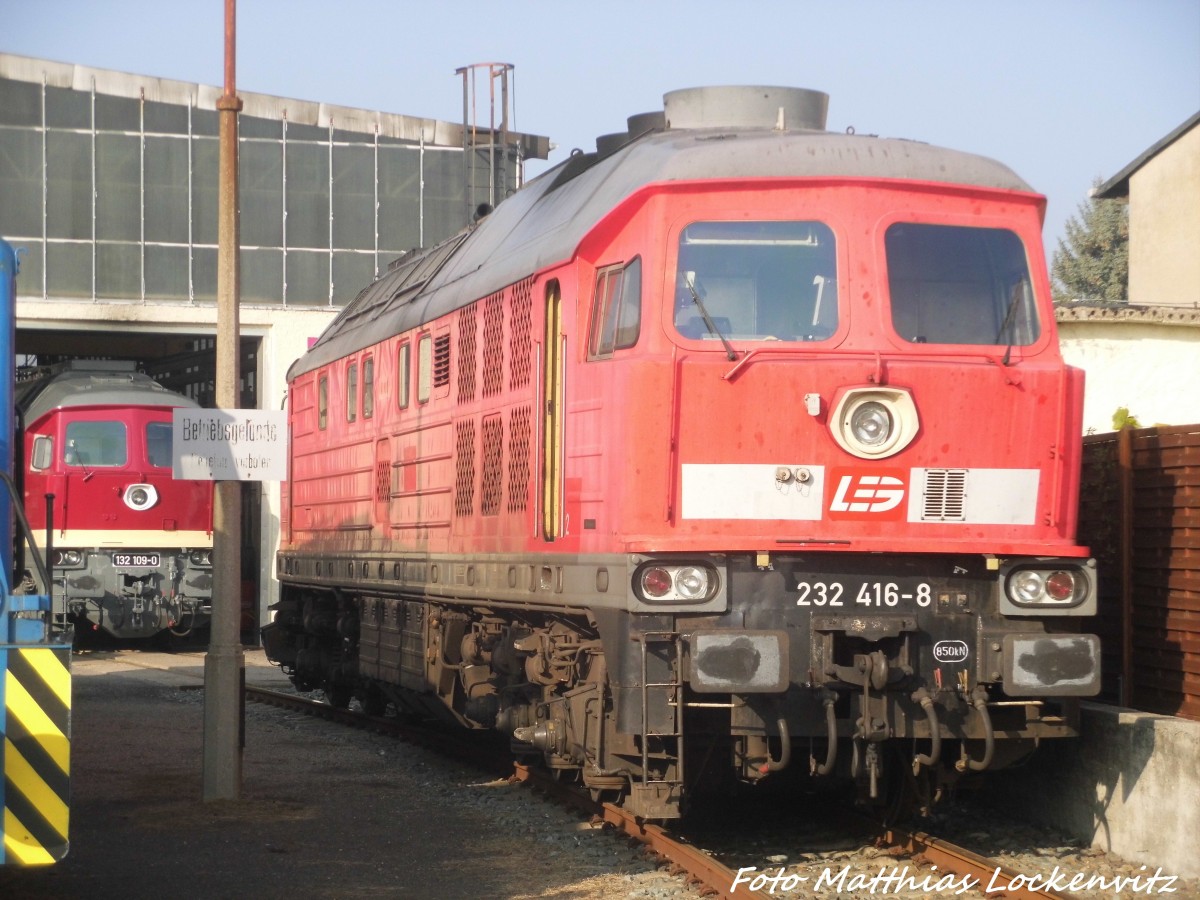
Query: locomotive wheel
[[338, 695], [373, 702]]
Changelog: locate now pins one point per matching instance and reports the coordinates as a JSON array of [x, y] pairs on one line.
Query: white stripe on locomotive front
[[141, 540], [737, 491], [992, 496]]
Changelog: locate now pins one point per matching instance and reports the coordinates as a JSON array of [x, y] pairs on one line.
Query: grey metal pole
[[224, 664]]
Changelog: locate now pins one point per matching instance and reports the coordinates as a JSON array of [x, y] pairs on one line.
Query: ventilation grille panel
[[945, 495]]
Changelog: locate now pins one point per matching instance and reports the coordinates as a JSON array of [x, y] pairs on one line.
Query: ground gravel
[[331, 812], [325, 811]]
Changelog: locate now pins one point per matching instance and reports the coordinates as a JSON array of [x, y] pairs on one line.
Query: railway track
[[920, 861]]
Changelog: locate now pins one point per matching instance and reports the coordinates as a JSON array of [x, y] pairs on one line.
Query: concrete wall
[[1141, 358], [1164, 226], [1129, 787]]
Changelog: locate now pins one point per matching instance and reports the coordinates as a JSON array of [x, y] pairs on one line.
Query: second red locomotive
[[735, 440], [129, 547]]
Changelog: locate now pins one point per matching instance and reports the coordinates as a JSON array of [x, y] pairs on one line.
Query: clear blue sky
[[1062, 91]]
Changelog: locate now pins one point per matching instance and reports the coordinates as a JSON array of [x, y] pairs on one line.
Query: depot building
[[108, 191]]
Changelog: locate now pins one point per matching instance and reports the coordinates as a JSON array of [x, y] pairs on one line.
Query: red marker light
[[1061, 586], [656, 582]]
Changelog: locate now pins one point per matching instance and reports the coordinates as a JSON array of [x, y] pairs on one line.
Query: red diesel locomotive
[[732, 440], [129, 547]]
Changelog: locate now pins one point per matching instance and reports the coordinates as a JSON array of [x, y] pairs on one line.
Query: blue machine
[[35, 659]]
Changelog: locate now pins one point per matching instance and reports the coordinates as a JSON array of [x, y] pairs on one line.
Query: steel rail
[[995, 879], [684, 859]]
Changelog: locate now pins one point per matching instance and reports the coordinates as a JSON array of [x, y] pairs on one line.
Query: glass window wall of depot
[[115, 199]]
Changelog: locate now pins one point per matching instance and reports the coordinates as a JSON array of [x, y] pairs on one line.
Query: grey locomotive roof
[[543, 223], [93, 383]]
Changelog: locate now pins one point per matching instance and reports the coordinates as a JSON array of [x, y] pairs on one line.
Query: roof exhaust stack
[[752, 106], [644, 122], [611, 143]]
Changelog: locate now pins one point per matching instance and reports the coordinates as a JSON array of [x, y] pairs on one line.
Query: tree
[[1092, 263]]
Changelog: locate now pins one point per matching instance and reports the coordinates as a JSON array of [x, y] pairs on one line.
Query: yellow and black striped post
[[35, 724]]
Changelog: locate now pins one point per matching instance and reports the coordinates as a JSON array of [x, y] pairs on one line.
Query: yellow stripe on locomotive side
[[36, 753]]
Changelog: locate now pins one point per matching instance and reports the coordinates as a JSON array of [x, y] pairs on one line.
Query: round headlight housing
[[874, 422], [140, 496], [691, 582], [1026, 586]]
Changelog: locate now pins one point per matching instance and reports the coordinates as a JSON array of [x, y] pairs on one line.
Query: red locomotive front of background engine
[[742, 434], [130, 548]]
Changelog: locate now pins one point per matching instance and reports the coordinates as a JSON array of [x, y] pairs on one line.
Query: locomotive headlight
[[1026, 586], [1047, 587], [200, 557], [657, 583], [140, 496], [67, 559], [874, 422], [691, 583], [871, 424]]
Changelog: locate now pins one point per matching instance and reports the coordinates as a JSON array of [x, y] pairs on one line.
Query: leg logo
[[858, 495]]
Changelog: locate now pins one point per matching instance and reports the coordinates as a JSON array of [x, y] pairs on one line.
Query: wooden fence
[[1140, 514]]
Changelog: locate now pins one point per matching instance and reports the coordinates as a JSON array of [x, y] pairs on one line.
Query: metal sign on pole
[[229, 445], [224, 664]]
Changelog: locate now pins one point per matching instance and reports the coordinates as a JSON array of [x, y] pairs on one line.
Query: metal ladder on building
[[659, 798]]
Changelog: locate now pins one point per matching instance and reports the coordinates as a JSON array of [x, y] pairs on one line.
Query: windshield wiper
[[690, 280], [78, 457], [1009, 318]]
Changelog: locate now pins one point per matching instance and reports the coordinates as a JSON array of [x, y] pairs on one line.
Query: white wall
[[1144, 359]]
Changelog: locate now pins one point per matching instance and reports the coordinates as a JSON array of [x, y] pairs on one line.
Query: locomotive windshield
[[91, 444], [158, 444], [756, 281], [956, 285]]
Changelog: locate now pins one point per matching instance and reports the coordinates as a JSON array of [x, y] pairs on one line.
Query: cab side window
[[368, 387], [403, 375], [616, 309]]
